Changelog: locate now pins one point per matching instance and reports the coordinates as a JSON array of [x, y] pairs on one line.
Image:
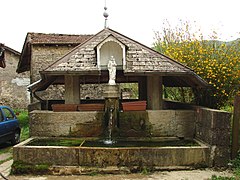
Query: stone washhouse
[[136, 63]]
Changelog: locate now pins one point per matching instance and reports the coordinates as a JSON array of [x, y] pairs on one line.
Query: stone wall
[[175, 123], [66, 124], [213, 127], [158, 123], [128, 159], [44, 56], [13, 86], [162, 123]]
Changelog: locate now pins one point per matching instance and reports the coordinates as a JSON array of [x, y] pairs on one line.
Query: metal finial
[[105, 14]]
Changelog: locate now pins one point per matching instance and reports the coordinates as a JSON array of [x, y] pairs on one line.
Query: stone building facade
[[40, 51], [13, 86]]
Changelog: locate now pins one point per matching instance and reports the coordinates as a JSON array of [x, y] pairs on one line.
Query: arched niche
[[111, 47]]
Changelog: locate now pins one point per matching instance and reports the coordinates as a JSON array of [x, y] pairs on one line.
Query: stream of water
[[109, 140]]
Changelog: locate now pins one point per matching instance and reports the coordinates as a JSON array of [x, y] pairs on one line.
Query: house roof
[[41, 38], [140, 61], [139, 58], [2, 57], [45, 39]]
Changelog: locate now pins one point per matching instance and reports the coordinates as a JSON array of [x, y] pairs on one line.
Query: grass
[[214, 177], [236, 169], [19, 168], [5, 160], [5, 148], [23, 118]]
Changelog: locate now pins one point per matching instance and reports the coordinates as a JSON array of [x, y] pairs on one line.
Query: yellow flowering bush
[[216, 62]]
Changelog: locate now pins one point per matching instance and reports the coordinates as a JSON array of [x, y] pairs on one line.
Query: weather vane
[[105, 14]]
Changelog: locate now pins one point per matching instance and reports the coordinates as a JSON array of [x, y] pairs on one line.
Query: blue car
[[9, 126]]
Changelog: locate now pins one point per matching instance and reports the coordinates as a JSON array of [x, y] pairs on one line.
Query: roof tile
[[41, 38]]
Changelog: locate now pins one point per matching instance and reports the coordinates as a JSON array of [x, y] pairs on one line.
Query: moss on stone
[[19, 167], [135, 123], [57, 142]]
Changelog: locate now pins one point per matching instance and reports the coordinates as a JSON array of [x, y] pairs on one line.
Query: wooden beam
[[72, 90], [236, 127]]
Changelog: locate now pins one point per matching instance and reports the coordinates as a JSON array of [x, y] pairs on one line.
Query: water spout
[[111, 94], [109, 141]]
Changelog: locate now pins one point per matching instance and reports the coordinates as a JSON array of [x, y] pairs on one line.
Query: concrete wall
[[100, 157], [13, 86], [162, 123], [176, 123], [213, 127], [70, 124]]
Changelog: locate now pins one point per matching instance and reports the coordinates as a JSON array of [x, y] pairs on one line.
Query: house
[[40, 50], [13, 86], [2, 60]]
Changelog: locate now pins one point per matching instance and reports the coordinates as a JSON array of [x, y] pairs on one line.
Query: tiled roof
[[139, 58], [2, 56], [41, 38], [10, 49], [140, 61]]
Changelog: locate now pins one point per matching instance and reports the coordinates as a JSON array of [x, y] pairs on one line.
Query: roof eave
[[196, 81], [60, 73]]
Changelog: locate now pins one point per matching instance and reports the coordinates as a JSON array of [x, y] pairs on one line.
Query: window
[[8, 113], [1, 116]]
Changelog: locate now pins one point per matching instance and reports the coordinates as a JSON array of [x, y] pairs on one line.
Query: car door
[[8, 125], [3, 128]]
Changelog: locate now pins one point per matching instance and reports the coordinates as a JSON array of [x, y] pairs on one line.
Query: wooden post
[[154, 93], [72, 89], [236, 126]]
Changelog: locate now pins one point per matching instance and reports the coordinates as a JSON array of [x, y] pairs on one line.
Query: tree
[[215, 61]]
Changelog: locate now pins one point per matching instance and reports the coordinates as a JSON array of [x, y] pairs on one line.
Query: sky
[[137, 19]]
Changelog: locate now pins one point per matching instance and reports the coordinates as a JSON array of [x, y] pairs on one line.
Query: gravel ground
[[163, 175]]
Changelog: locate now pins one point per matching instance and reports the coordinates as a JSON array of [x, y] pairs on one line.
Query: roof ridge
[[10, 49], [58, 34]]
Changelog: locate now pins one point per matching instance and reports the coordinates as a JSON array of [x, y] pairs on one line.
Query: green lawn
[[23, 118]]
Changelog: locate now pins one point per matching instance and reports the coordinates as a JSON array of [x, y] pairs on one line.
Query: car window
[[8, 113], [1, 116]]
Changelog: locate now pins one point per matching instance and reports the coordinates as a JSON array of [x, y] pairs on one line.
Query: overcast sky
[[137, 19]]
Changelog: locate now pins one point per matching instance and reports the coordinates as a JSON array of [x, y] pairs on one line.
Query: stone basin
[[196, 155]]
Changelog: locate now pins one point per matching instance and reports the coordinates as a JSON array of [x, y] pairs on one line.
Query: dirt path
[[163, 175], [5, 156], [5, 167]]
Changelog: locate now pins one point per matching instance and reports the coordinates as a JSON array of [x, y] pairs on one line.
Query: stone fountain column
[[111, 95]]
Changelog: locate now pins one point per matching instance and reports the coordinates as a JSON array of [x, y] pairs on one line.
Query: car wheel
[[16, 138]]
